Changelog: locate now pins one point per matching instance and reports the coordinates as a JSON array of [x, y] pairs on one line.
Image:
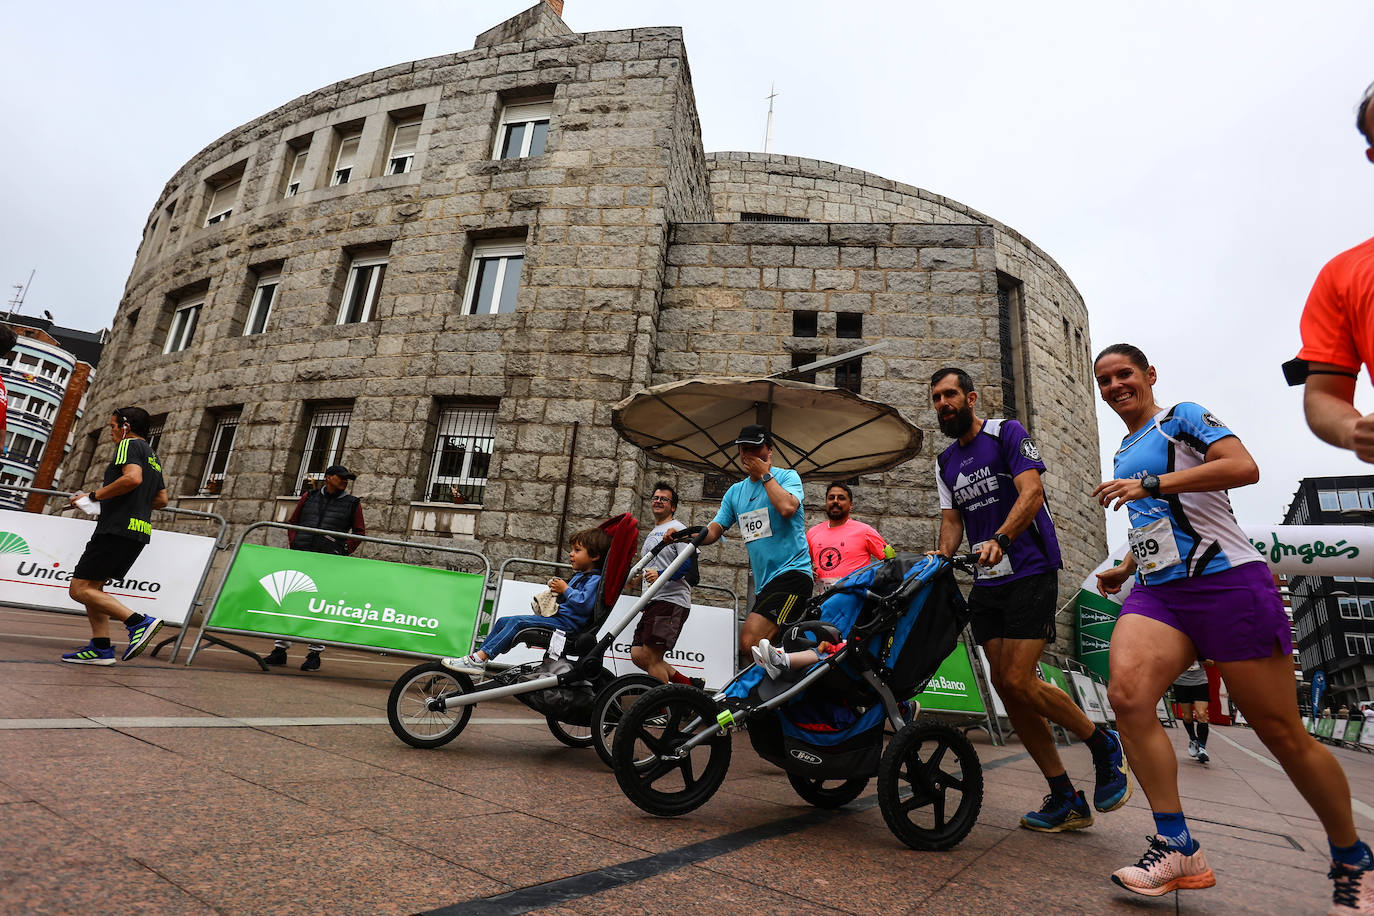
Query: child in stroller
[[576, 601], [775, 661]]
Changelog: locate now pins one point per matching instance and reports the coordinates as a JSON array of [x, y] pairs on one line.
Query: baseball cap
[[339, 470], [754, 434]]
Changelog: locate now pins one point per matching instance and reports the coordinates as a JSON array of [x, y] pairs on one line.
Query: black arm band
[[1340, 372]]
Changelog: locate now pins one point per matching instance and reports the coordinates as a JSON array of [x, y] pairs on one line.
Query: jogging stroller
[[430, 705], [825, 725]]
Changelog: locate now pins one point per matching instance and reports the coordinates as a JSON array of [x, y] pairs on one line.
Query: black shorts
[[1192, 693], [660, 625], [107, 556], [1021, 609], [784, 598]]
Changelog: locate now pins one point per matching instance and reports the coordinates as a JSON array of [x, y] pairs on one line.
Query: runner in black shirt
[[131, 490]]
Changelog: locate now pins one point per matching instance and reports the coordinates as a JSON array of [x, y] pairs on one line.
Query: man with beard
[[839, 545], [989, 480]]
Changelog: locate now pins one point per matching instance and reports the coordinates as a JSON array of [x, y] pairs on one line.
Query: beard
[[835, 512], [958, 424]]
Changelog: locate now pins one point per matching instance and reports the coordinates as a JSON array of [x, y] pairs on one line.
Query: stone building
[[444, 274]]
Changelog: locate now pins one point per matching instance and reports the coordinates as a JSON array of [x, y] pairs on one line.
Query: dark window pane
[[849, 324], [221, 456], [191, 317], [510, 286], [804, 359], [484, 291], [515, 140], [850, 375], [803, 324], [541, 132]]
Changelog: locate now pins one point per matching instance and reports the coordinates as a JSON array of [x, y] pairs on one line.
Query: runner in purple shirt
[[989, 480]]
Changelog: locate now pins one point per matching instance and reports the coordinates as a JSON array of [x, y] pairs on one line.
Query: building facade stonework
[[463, 262]]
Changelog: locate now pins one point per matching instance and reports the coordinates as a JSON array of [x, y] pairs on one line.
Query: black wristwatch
[[766, 477], [1150, 484], [1002, 541]]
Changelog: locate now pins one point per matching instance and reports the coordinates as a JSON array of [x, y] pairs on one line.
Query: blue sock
[[1100, 743], [1061, 786], [1358, 855], [1174, 829]]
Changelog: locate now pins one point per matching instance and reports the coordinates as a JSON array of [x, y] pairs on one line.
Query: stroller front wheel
[[412, 706], [570, 733], [930, 786], [611, 705], [652, 769]]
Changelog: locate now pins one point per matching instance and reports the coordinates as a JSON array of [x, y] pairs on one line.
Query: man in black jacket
[[333, 508]]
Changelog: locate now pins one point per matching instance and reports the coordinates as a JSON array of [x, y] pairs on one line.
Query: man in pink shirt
[[839, 545]]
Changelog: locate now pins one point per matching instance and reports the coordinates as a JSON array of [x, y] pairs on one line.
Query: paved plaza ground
[[149, 787]]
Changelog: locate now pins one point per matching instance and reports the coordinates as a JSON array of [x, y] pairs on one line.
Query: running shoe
[[1165, 868], [468, 664], [773, 659], [1059, 813], [1202, 754], [90, 655], [1354, 890], [276, 657], [1113, 786], [312, 662], [1192, 748], [140, 635]]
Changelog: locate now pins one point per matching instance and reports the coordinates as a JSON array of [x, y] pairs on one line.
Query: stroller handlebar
[[964, 562]]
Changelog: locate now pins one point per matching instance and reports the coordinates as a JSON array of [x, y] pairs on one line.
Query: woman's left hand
[[1122, 491]]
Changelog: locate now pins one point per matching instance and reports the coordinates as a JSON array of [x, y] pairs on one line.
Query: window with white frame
[[221, 449], [494, 278], [222, 201], [297, 159], [264, 297], [1350, 608], [523, 131], [1355, 644], [361, 291], [403, 142], [462, 455], [324, 443], [347, 157], [1328, 500], [183, 327]]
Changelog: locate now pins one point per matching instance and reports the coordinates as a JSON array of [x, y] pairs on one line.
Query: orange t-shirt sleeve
[[1327, 336]]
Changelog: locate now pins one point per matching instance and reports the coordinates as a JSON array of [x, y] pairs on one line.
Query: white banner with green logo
[[38, 554], [318, 597], [1295, 550]]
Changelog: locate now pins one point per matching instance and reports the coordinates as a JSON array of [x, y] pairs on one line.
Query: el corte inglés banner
[[297, 594]]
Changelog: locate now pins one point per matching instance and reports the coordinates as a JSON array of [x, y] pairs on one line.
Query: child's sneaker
[[773, 659], [1059, 813], [90, 655], [140, 635], [1354, 890], [468, 664], [1165, 868], [1113, 786]]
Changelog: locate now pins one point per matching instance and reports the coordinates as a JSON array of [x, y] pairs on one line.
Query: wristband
[[1002, 541]]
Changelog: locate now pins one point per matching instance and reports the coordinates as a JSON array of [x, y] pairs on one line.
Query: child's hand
[[558, 586], [651, 576]]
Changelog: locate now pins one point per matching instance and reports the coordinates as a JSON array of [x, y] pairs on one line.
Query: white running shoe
[[1202, 754], [1192, 748], [468, 664], [773, 659], [1165, 868]]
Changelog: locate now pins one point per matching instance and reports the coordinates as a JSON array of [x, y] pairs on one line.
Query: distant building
[[46, 376], [1333, 616]]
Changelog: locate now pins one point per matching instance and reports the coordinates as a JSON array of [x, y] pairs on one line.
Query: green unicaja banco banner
[[307, 596], [1096, 620], [953, 688]]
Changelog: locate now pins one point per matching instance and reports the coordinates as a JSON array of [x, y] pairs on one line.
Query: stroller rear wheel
[[647, 765], [571, 734], [412, 709], [930, 786], [611, 706], [827, 793]]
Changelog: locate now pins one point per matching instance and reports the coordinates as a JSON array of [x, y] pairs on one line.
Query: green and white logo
[[13, 543], [287, 582]]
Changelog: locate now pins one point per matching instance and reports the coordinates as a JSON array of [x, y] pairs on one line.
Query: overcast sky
[[1191, 166]]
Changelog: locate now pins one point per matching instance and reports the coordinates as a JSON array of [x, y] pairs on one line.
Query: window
[[849, 324], [804, 359], [804, 324], [347, 157], [1350, 499], [264, 297], [323, 445], [155, 427], [462, 454], [1355, 644], [222, 201], [1350, 608], [221, 447], [297, 159], [403, 141], [747, 217], [849, 376], [360, 293], [494, 278], [23, 449], [1367, 608], [183, 326], [1328, 500], [524, 128]]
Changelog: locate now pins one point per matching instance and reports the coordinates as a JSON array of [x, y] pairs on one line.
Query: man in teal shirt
[[768, 507]]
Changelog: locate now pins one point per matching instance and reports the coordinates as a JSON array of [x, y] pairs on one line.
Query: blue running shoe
[[1113, 787], [141, 635], [90, 655], [1059, 813]]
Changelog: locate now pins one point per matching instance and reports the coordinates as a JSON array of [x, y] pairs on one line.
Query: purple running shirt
[[977, 480]]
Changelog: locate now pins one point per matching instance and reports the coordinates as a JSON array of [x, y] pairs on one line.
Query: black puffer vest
[[324, 511]]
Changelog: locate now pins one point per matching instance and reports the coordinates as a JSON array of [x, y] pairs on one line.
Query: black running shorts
[[784, 598], [1020, 609], [1192, 693], [107, 556]]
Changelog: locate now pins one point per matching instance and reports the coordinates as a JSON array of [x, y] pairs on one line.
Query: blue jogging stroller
[[835, 725]]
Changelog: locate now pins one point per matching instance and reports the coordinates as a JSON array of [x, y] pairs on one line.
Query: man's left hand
[[1362, 438], [989, 553]]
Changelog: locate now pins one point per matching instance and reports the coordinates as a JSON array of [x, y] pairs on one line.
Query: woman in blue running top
[[1201, 590]]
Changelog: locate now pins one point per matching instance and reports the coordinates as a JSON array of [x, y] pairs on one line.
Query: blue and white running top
[[1180, 534]]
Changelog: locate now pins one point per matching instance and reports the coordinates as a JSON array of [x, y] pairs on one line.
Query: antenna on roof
[[20, 291], [768, 130]]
